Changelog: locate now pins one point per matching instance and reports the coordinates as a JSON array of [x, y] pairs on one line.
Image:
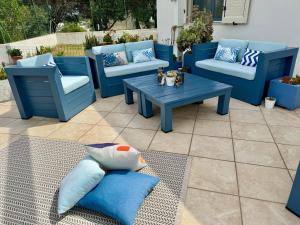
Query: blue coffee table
[[195, 89]]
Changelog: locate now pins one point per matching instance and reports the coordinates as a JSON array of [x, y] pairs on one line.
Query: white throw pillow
[[118, 157]]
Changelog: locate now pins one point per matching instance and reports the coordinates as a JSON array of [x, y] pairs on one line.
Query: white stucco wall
[[274, 20]]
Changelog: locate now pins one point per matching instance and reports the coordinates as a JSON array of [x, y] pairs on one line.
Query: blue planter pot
[[287, 96], [294, 200]]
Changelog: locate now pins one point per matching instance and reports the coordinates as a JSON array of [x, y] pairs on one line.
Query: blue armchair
[[110, 79], [56, 88], [250, 84]]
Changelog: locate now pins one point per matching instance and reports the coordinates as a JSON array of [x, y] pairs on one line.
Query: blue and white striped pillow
[[250, 58]]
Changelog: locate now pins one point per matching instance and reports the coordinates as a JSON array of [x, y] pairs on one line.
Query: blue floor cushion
[[120, 195], [81, 179]]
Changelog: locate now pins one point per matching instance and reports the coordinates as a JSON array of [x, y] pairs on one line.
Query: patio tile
[[291, 155], [106, 106], [247, 116], [281, 118], [89, 117], [171, 142], [137, 138], [139, 121], [259, 153], [124, 108], [213, 175], [100, 134], [212, 128], [9, 112], [71, 131], [247, 131], [6, 139], [117, 119], [264, 183], [18, 126], [237, 104], [256, 212], [183, 125], [293, 173], [43, 128], [208, 208], [188, 111], [116, 98], [212, 147], [286, 135], [4, 121], [212, 116], [8, 103]]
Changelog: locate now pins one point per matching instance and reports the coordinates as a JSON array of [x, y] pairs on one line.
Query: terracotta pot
[[16, 58]]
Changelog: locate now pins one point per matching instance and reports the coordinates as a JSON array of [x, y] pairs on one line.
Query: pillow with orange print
[[118, 157]]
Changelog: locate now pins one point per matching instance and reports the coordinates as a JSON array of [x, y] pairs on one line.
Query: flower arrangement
[[172, 73], [291, 80]]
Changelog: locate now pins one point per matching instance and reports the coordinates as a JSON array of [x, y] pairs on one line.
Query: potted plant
[[15, 54], [286, 90], [5, 90], [199, 31], [90, 41], [171, 77]]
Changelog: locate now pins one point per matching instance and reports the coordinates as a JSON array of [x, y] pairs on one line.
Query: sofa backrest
[[36, 61], [133, 46], [108, 49], [264, 46], [236, 43]]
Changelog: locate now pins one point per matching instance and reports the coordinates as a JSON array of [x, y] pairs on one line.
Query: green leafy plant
[[60, 53], [14, 52], [3, 75], [107, 38], [72, 27], [200, 31], [126, 37], [90, 41], [43, 50]]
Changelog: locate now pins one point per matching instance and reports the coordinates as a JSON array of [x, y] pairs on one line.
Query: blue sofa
[[250, 84], [57, 91], [110, 79]]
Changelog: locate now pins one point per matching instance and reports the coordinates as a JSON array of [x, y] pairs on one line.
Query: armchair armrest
[[164, 52], [204, 51]]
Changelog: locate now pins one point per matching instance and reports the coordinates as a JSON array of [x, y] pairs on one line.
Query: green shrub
[[43, 50], [2, 74], [126, 37], [107, 38], [90, 41], [14, 52], [72, 27]]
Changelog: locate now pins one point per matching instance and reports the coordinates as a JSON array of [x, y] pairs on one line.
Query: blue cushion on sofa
[[120, 195], [71, 83], [233, 69], [264, 46], [80, 180], [135, 68], [133, 46], [235, 43], [108, 49]]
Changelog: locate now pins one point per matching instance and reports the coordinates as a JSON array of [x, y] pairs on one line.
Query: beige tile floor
[[243, 164]]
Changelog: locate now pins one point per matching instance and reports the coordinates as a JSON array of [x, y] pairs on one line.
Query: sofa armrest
[[164, 52], [276, 64], [204, 51]]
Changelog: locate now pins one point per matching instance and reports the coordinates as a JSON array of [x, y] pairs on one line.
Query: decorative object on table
[[171, 77], [160, 75], [293, 204], [80, 180], [40, 175], [120, 194], [15, 54], [287, 92], [179, 78], [270, 102], [118, 157]]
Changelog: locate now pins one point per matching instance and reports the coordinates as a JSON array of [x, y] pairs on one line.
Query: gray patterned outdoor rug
[[32, 168]]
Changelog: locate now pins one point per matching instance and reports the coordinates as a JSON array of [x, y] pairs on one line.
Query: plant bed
[[287, 95]]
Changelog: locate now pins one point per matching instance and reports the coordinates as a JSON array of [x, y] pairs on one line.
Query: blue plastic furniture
[[250, 84], [110, 79], [195, 89], [294, 200], [287, 96], [41, 90]]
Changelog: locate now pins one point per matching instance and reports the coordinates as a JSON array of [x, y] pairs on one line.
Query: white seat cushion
[[71, 83], [135, 68], [233, 69]]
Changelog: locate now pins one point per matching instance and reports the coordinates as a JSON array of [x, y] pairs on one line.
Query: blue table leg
[[166, 119], [146, 106], [139, 99], [223, 104], [293, 204], [128, 95]]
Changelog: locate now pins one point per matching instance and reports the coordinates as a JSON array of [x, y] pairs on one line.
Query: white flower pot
[[170, 81], [270, 102]]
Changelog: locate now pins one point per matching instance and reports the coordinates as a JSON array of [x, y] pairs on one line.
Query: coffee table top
[[193, 86]]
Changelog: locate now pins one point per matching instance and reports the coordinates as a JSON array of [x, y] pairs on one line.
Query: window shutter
[[235, 11]]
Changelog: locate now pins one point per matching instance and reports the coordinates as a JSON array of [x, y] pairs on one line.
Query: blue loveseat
[[110, 79], [58, 87], [250, 84]]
